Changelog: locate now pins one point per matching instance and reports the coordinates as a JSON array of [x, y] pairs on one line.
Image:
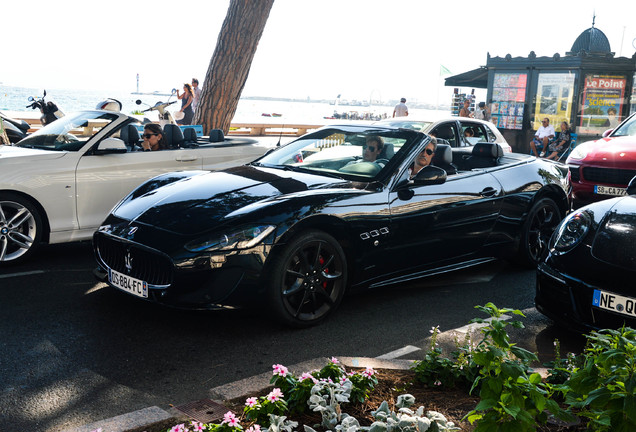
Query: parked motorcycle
[[50, 111], [165, 116], [15, 129]]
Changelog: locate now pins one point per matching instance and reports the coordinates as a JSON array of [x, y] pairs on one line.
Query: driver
[[424, 158], [153, 138]]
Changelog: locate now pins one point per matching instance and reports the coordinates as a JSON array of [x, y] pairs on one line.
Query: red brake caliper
[[321, 260]]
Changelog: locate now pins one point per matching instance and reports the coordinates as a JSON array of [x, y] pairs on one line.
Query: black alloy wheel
[[542, 220], [308, 279]]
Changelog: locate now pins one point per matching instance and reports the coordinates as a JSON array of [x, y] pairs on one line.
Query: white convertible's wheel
[[20, 228]]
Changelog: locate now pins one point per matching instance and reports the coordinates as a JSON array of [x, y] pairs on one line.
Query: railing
[[253, 129]]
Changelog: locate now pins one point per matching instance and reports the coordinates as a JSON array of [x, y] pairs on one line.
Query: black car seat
[[216, 135], [484, 155], [173, 135], [443, 158], [387, 152], [189, 137], [130, 136]]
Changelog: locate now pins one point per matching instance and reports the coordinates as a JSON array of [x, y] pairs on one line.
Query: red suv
[[602, 169]]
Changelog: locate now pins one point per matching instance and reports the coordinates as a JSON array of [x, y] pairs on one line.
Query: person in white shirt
[[401, 110], [542, 137], [197, 94]]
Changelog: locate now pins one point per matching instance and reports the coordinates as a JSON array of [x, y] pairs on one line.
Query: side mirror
[[111, 145], [138, 101], [607, 132], [631, 187], [31, 99], [430, 175]]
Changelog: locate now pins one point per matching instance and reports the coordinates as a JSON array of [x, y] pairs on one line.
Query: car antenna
[[280, 135]]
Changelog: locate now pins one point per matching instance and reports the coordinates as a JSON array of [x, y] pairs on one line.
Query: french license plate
[[124, 282], [615, 303], [609, 190]]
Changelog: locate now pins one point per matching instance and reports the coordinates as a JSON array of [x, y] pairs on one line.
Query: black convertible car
[[587, 280], [304, 223]]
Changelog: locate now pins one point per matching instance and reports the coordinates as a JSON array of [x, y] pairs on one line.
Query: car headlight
[[241, 238], [579, 152], [571, 231]]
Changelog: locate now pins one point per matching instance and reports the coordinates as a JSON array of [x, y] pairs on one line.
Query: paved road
[[74, 351]]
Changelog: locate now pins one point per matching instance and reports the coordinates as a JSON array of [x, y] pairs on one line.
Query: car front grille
[[148, 266], [574, 173], [608, 175]]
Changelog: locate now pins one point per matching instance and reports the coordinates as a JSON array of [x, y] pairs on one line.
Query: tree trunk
[[230, 64]]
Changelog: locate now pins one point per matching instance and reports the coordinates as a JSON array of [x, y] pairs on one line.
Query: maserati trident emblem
[[128, 261]]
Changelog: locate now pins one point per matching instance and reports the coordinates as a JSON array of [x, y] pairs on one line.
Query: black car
[[304, 223], [587, 280]]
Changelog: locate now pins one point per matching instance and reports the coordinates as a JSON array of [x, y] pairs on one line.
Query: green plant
[[299, 390], [407, 420], [259, 409], [604, 387], [560, 369], [512, 398], [435, 370]]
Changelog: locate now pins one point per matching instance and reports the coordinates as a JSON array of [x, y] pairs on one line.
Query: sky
[[360, 49]]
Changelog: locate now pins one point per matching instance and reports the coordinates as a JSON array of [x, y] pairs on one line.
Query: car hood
[[208, 200], [13, 154], [612, 151], [614, 242]]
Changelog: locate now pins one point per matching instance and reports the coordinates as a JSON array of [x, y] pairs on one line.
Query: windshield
[[69, 133], [342, 153], [415, 125], [626, 129]]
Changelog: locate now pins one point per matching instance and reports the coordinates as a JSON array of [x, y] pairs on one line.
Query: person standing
[[465, 111], [482, 112], [401, 110], [186, 104], [197, 94]]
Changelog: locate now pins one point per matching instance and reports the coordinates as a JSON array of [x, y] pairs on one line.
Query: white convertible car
[[58, 184]]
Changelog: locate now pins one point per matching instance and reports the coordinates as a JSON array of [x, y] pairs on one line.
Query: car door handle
[[186, 158], [488, 192]]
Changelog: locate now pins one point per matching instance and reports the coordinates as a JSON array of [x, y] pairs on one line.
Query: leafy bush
[[604, 388]]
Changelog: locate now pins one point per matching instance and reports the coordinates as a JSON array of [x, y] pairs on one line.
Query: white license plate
[[124, 282], [609, 190], [615, 303]]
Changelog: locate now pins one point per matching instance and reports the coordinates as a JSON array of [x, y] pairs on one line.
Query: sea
[[249, 110]]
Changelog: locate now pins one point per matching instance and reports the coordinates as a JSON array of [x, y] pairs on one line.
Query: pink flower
[[369, 372], [334, 360], [438, 383], [250, 402], [275, 395], [280, 370], [255, 428], [305, 376], [179, 428], [230, 419], [198, 427]]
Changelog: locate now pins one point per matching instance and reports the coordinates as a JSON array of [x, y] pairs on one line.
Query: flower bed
[[485, 386]]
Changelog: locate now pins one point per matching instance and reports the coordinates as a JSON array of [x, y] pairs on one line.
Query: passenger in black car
[[424, 158], [372, 148], [153, 138]]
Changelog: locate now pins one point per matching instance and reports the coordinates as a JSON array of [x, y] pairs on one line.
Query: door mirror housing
[[430, 175], [111, 145]]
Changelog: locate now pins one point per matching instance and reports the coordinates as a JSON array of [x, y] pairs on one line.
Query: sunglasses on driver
[[148, 136]]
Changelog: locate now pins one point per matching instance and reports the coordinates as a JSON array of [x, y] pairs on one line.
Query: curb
[[138, 421]]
